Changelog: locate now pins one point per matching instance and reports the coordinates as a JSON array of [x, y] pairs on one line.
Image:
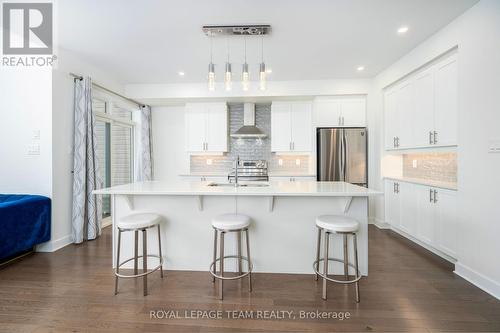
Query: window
[[115, 145]]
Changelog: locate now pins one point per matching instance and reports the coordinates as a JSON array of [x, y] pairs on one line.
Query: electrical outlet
[[280, 162], [34, 149], [209, 161], [414, 164], [494, 146]]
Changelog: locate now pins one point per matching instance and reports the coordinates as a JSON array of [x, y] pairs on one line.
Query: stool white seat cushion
[[337, 223], [139, 221], [231, 221]]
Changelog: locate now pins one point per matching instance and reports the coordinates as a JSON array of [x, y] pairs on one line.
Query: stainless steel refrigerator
[[342, 155]]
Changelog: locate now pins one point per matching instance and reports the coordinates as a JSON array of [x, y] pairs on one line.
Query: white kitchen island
[[283, 234]]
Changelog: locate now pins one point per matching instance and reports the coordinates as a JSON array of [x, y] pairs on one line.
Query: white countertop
[[432, 183], [275, 188]]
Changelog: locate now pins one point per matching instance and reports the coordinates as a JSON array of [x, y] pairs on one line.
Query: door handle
[[435, 137], [431, 139], [435, 196], [431, 199]]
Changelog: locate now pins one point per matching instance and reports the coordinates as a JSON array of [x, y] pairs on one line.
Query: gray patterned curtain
[[145, 163], [87, 208]]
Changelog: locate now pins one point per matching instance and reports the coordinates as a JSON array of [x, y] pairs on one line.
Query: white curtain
[[145, 151], [87, 208]]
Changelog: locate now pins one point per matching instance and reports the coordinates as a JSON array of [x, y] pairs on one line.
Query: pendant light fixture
[[245, 76], [211, 70], [262, 69], [228, 74]]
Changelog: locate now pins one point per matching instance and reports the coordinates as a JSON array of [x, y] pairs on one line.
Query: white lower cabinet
[[426, 213], [292, 178]]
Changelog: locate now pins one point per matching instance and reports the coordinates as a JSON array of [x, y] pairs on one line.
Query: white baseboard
[[54, 245], [379, 223], [424, 245], [478, 279]]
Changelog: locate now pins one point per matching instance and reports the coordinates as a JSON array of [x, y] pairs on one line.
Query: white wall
[[477, 34], [62, 140], [25, 107]]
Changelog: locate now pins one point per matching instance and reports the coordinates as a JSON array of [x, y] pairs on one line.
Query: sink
[[246, 184]]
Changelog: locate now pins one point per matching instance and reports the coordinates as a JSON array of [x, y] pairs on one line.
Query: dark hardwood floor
[[409, 289]]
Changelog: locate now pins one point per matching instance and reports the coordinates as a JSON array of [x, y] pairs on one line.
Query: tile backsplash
[[431, 166], [250, 149]]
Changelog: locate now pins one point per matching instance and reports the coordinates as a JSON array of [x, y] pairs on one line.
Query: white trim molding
[[478, 279], [54, 245]]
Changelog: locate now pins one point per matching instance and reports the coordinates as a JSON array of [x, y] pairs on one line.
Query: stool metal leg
[[355, 243], [346, 258], [318, 252], [117, 270], [239, 251], [136, 250], [159, 250], [215, 255], [325, 262], [145, 260], [221, 253], [249, 261]]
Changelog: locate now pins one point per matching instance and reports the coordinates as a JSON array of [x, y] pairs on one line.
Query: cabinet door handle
[[431, 139], [293, 145], [394, 187], [431, 197], [290, 145], [340, 122], [435, 137], [435, 196], [394, 142], [397, 187]]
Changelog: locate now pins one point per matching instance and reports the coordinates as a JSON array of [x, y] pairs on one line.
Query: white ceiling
[[150, 41]]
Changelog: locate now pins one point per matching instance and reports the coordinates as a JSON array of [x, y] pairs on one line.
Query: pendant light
[[211, 70], [227, 74], [245, 76], [262, 69]]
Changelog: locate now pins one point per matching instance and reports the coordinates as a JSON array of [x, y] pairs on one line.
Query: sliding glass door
[[115, 146]]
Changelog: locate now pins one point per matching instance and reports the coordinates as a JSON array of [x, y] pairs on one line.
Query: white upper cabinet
[[421, 111], [405, 109], [339, 112], [446, 101], [206, 127], [424, 108], [353, 112], [391, 119], [301, 126], [291, 127]]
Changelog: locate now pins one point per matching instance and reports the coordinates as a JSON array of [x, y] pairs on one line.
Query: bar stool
[[138, 222], [345, 226], [223, 224]]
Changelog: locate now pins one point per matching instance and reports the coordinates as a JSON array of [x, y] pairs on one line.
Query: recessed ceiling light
[[360, 68], [403, 30], [182, 73]]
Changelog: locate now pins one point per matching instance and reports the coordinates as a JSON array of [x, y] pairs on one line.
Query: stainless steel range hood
[[249, 130]]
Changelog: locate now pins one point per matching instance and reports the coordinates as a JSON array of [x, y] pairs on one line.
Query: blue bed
[[24, 223]]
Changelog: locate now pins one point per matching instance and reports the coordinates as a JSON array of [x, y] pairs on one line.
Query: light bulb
[[262, 76], [227, 77], [245, 77], [211, 77]]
